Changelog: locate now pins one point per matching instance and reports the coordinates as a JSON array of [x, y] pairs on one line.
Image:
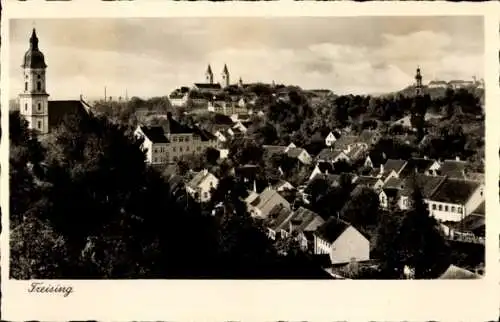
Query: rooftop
[[455, 191], [332, 229]]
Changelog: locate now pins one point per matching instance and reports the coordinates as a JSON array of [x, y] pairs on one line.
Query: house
[[179, 98], [369, 182], [457, 273], [260, 205], [200, 187], [341, 241], [406, 120], [155, 143], [375, 159], [421, 166], [274, 149], [299, 154], [356, 152], [370, 137], [428, 185], [347, 142], [455, 199], [389, 193], [298, 224], [283, 185], [332, 156], [453, 169], [321, 168], [330, 139], [391, 169], [437, 84], [458, 84]]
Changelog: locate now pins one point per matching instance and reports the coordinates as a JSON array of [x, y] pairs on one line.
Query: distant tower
[[240, 83], [225, 76], [209, 76], [418, 85], [34, 100]]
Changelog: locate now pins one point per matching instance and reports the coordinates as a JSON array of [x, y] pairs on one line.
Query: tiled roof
[[332, 229], [304, 220], [59, 110], [294, 152], [480, 210], [208, 86], [277, 216], [198, 179], [453, 169], [328, 154], [427, 184], [418, 165], [355, 152], [455, 191], [394, 183], [455, 272], [393, 164], [154, 133], [344, 141], [266, 201], [366, 181], [274, 149], [174, 127]]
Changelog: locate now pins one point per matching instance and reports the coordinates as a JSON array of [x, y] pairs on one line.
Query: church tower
[[209, 76], [33, 100], [225, 76], [419, 90]]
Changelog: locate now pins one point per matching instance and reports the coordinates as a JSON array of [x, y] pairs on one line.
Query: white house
[[437, 84], [332, 156], [201, 185], [300, 154], [155, 143], [455, 199], [341, 241], [330, 139], [179, 99], [260, 205]]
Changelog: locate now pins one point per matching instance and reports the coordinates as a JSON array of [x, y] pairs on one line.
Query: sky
[[151, 57]]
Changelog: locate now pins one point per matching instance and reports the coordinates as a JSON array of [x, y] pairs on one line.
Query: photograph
[[272, 148]]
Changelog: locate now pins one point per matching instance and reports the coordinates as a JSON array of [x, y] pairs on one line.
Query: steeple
[[209, 76], [33, 40], [33, 58], [225, 76], [418, 84]]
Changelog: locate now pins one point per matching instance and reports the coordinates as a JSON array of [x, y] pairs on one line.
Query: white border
[[149, 300]]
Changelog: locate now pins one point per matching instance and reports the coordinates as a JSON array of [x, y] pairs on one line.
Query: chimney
[[381, 168], [457, 158], [205, 172]]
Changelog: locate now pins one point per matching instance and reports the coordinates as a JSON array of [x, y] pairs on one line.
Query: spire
[[418, 85], [225, 70], [209, 69], [34, 40]]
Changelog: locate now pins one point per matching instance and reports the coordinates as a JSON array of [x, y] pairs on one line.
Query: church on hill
[[41, 114]]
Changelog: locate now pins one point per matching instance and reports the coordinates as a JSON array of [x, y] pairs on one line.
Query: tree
[[362, 210], [414, 241]]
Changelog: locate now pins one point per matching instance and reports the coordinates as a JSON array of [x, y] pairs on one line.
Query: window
[[39, 124], [459, 210], [155, 160], [180, 149], [187, 139], [39, 106], [38, 76], [181, 139], [187, 149], [25, 106], [433, 206], [26, 86], [38, 86], [173, 148], [446, 208], [155, 150], [174, 139], [440, 207], [452, 208]]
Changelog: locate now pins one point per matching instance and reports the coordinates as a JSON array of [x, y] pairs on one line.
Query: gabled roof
[[277, 216], [59, 110], [325, 167], [295, 152], [328, 154], [331, 179], [208, 86], [455, 272], [344, 141], [274, 149], [480, 210], [267, 200], [332, 229], [355, 152], [199, 178], [428, 184], [154, 133], [394, 183], [377, 158], [455, 191], [417, 165], [304, 220], [453, 169], [171, 126], [366, 181]]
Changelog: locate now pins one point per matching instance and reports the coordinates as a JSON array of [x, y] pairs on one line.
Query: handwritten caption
[[46, 288]]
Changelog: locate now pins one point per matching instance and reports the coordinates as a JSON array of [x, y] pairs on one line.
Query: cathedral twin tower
[[209, 76]]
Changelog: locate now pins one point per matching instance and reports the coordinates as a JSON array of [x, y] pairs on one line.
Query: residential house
[[200, 187], [405, 121], [455, 199], [457, 273], [420, 166], [283, 185], [332, 156], [259, 205], [346, 142], [369, 182], [437, 84], [375, 159], [390, 192], [300, 224], [299, 154], [427, 184], [391, 169], [330, 139], [179, 98], [453, 169], [321, 168], [341, 241], [458, 84], [155, 143]]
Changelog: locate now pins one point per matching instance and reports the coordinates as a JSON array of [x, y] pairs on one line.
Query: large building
[[41, 114]]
